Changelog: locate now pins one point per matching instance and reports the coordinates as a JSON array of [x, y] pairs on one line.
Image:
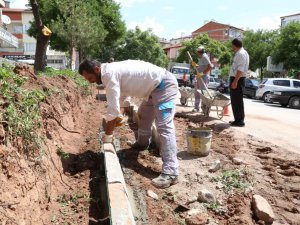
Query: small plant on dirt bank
[[21, 115], [81, 83], [236, 179], [216, 207], [62, 154]]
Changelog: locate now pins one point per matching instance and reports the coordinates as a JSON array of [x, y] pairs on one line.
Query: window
[[285, 83], [296, 84], [55, 61], [26, 28], [255, 82], [180, 71], [17, 29], [29, 47], [248, 82]]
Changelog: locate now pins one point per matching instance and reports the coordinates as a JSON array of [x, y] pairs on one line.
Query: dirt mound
[[55, 181]]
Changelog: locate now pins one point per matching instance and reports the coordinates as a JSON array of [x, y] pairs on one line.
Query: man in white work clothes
[[158, 88], [203, 68]]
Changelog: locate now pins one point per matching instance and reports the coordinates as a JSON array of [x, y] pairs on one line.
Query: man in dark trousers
[[237, 74]]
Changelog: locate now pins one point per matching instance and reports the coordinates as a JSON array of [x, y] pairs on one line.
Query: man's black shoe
[[237, 124], [230, 122]]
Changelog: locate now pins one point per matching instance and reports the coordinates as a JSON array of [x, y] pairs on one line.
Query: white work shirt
[[240, 62], [132, 78], [203, 62]]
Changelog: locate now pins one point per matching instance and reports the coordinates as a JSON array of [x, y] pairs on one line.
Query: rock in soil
[[2, 132], [262, 209], [151, 194], [193, 212], [199, 219], [206, 196], [215, 166], [237, 161], [192, 199]]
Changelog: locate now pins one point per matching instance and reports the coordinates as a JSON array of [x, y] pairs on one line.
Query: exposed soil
[[50, 188], [274, 171]]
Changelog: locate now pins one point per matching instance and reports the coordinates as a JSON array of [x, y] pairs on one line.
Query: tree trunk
[[42, 40], [71, 56], [261, 74], [80, 55]]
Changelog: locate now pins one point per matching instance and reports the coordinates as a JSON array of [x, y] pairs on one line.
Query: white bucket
[[199, 141]]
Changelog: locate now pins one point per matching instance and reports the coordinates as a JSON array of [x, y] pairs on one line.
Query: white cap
[[201, 47]]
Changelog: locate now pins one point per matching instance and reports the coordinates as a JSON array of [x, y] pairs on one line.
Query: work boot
[[237, 124], [164, 181], [136, 146]]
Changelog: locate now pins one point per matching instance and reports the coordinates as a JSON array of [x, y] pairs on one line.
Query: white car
[[182, 74], [213, 83], [274, 84]]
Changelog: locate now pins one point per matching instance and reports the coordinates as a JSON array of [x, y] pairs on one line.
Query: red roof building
[[218, 31]]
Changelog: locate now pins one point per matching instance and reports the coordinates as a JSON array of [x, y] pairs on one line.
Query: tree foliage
[[142, 45], [287, 47], [91, 26], [259, 45], [214, 47], [79, 25]]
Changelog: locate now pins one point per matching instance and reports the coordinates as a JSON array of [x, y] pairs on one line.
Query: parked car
[[275, 84], [182, 75], [250, 88], [213, 83], [286, 97], [223, 87]]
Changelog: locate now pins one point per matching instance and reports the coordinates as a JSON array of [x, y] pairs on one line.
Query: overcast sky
[[173, 18]]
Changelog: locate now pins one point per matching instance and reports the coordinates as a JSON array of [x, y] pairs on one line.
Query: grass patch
[[21, 114], [240, 179], [80, 82]]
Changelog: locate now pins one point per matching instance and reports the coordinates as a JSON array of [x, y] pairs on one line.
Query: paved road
[[271, 123]]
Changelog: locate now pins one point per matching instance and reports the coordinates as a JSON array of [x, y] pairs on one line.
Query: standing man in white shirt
[[237, 74], [158, 88], [204, 66]]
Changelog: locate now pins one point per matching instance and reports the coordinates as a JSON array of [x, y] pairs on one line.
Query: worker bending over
[[158, 88]]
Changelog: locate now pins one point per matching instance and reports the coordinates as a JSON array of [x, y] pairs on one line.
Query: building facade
[[6, 38], [25, 49], [285, 20], [172, 48], [218, 31]]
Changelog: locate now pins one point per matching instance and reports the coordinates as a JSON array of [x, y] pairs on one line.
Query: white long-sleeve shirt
[[132, 78]]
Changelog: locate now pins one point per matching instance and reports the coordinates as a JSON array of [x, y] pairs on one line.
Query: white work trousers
[[161, 108]]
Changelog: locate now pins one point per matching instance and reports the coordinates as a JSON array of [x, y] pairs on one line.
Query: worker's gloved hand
[[194, 64], [121, 121], [199, 75], [107, 138]]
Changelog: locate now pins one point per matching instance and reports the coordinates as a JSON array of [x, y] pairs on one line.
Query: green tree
[[79, 26], [259, 45], [142, 45], [112, 21], [287, 47], [92, 26], [214, 47], [224, 71]]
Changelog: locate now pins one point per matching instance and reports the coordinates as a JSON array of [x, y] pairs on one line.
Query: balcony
[[8, 38]]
